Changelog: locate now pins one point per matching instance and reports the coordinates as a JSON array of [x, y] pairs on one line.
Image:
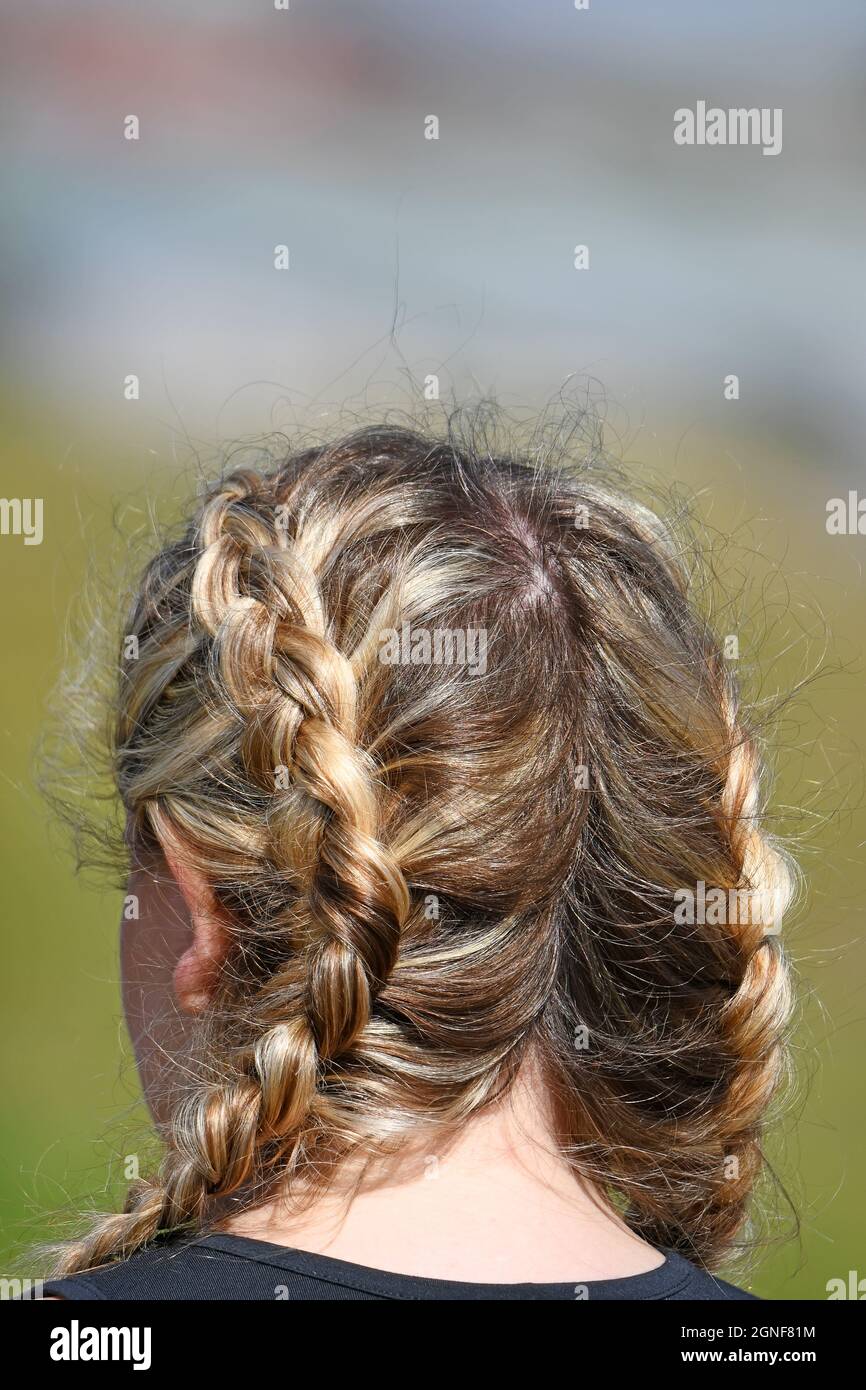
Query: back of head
[[448, 739]]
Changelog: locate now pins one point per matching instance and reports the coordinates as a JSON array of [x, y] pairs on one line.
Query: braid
[[690, 1178], [295, 695], [753, 1020]]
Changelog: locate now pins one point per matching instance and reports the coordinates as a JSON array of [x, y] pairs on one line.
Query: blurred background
[[410, 257]]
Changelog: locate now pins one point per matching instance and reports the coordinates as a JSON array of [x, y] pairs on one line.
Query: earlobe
[[194, 981], [197, 972]]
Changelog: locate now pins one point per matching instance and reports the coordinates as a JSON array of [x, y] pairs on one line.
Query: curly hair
[[435, 871]]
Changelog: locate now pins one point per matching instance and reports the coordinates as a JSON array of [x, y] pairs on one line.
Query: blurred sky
[[261, 127]]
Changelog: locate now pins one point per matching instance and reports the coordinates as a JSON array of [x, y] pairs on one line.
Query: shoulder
[[187, 1270], [228, 1268], [691, 1282]]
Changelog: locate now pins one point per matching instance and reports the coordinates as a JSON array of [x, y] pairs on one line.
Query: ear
[[196, 973]]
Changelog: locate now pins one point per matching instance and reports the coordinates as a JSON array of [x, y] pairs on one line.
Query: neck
[[498, 1204]]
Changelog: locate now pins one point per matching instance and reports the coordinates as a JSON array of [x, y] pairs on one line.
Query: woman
[[442, 769]]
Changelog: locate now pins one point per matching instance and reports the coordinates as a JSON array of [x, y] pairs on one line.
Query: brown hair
[[436, 869]]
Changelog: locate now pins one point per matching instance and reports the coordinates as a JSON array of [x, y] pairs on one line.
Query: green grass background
[[70, 1098]]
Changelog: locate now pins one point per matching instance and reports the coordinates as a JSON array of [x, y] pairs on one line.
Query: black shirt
[[235, 1267]]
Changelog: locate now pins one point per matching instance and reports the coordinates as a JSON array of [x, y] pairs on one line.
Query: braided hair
[[433, 872]]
